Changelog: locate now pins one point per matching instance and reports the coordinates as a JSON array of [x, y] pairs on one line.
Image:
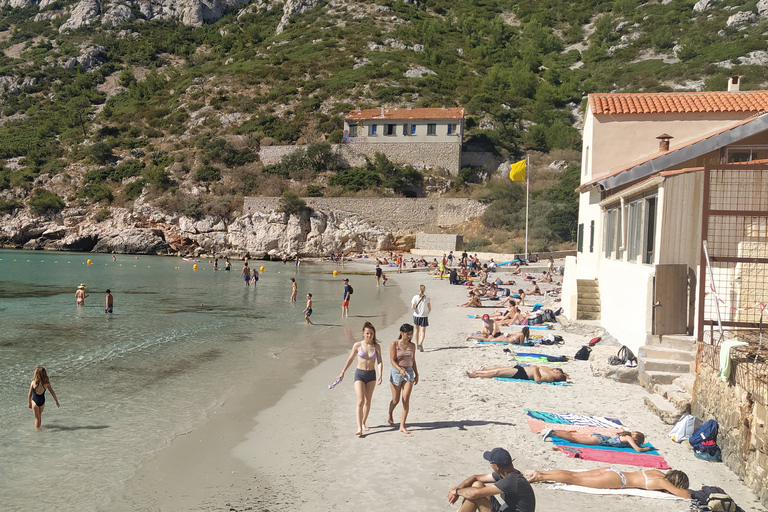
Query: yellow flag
[[517, 171]]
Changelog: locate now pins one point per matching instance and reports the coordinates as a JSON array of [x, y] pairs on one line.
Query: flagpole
[[527, 187]]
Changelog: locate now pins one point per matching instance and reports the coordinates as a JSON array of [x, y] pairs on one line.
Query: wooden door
[[670, 301]]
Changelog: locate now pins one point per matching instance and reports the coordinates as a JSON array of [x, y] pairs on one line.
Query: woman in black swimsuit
[[36, 395], [368, 354]]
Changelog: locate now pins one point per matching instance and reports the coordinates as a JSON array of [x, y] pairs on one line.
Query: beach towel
[[539, 360], [507, 379], [575, 419], [612, 456], [627, 492]]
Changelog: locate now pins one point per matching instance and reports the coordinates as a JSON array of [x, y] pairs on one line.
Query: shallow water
[[178, 341]]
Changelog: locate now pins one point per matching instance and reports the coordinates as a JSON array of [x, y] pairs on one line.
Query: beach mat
[[626, 492], [575, 419], [597, 454], [507, 379], [562, 442], [539, 426]]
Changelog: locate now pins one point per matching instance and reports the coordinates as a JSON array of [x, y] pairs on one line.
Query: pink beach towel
[[616, 457]]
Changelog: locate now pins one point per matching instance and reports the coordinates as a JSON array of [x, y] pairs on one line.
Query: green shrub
[[355, 179], [208, 173], [134, 189], [476, 244], [157, 177], [292, 204], [100, 152], [102, 215], [314, 191], [8, 205], [44, 202], [96, 191]]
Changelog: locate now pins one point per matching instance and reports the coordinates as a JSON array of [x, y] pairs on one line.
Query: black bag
[[557, 359], [351, 291], [583, 353], [625, 355]]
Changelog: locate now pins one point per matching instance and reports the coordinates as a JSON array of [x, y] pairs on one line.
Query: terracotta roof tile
[[676, 102], [405, 113]]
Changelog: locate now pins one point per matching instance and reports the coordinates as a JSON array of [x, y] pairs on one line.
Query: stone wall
[[399, 214], [444, 155], [743, 427], [485, 159], [432, 242]]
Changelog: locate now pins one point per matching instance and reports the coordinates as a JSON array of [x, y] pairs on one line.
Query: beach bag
[[683, 429], [557, 359], [614, 361], [548, 316], [535, 320], [351, 291], [583, 353], [706, 432], [721, 502]]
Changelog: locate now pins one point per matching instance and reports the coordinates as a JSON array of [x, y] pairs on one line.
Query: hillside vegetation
[[102, 115]]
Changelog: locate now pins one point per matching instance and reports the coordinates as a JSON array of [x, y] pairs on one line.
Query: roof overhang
[[678, 156]]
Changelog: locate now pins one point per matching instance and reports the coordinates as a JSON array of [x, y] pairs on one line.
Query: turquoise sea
[[178, 341]]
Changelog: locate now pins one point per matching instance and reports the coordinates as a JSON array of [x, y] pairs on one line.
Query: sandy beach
[[301, 454]]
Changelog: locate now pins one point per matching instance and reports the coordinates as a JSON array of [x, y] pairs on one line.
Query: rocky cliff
[[147, 230], [188, 12]]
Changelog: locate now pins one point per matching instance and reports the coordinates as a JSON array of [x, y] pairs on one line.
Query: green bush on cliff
[[44, 202], [8, 205], [292, 204]]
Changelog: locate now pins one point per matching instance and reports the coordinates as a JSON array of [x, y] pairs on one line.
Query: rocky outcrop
[[133, 241], [85, 12], [117, 15], [291, 7], [90, 58]]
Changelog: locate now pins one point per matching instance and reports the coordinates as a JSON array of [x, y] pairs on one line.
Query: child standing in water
[[308, 310], [36, 395]]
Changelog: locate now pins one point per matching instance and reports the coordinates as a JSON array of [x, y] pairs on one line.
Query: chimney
[[664, 142], [734, 83]]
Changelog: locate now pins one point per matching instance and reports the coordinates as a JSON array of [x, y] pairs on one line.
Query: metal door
[[670, 301]]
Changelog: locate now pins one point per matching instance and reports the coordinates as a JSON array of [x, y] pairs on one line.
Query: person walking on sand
[[674, 481], [443, 263], [345, 299], [378, 272], [36, 396], [80, 295], [478, 491], [246, 274], [308, 310], [399, 263], [368, 354], [404, 374], [110, 302], [422, 307], [294, 289]]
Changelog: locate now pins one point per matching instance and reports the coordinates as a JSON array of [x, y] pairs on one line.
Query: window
[[738, 154], [634, 220], [650, 230], [405, 128], [372, 129], [641, 230], [580, 238], [431, 129], [353, 130], [586, 160], [451, 129], [390, 129], [413, 129], [609, 232]]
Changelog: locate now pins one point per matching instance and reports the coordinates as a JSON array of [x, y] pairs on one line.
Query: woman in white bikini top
[[674, 481]]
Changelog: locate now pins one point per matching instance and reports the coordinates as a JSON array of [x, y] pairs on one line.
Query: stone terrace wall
[[400, 214], [433, 242], [488, 161], [446, 155], [743, 428]]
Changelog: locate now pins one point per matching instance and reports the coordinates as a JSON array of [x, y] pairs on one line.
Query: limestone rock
[[117, 15], [291, 7], [702, 5], [84, 13], [133, 241], [418, 72], [740, 19], [762, 9]]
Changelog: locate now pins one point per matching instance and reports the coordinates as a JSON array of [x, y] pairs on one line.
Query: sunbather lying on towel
[[623, 439], [473, 302], [514, 338], [674, 482], [535, 373]]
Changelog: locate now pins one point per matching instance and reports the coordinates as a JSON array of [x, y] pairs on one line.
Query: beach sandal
[[547, 433]]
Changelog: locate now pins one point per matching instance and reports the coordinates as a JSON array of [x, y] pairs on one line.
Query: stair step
[[655, 352], [648, 379], [588, 307], [679, 342], [662, 408], [588, 316], [589, 296], [663, 365], [686, 382]]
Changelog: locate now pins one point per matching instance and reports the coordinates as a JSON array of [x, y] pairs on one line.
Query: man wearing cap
[[505, 482], [345, 299]]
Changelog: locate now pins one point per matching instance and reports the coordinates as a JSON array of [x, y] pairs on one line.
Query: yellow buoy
[[194, 267], [335, 272], [261, 269], [89, 262]]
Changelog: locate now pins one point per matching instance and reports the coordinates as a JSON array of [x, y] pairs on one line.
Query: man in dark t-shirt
[[482, 492]]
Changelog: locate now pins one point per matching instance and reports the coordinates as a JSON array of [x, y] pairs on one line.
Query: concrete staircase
[[666, 368], [588, 302]]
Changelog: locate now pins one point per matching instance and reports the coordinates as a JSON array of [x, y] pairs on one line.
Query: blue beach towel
[[507, 379], [562, 442]]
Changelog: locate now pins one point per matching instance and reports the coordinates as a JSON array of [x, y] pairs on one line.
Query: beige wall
[[616, 141]]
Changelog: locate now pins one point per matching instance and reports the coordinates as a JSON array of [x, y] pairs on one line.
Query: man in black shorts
[[482, 492]]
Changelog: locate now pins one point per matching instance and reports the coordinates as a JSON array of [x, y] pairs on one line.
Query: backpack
[[683, 429], [583, 353], [549, 316], [721, 502], [706, 432], [351, 291], [535, 320]]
